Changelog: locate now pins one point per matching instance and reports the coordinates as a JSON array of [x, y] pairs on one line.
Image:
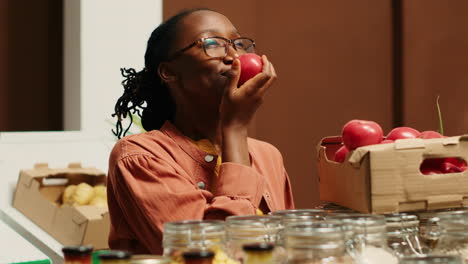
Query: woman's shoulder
[[263, 148], [146, 143]]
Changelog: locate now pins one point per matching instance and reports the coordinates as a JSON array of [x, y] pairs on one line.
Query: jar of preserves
[[258, 253], [242, 230], [77, 254], [403, 235], [429, 224], [182, 236], [115, 257], [453, 229], [198, 257], [316, 242], [369, 238]]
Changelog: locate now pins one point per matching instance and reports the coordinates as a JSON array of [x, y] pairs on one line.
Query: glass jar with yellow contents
[[184, 236], [241, 230]]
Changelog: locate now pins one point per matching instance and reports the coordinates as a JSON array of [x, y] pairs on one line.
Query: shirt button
[[267, 195], [201, 185], [209, 158]]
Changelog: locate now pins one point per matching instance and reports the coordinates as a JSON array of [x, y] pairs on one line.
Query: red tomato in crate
[[443, 165], [430, 134], [358, 133], [387, 141], [403, 132], [340, 154], [251, 65]]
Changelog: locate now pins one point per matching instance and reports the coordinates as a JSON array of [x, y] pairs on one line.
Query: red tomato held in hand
[[358, 133], [251, 65], [430, 134], [403, 132], [340, 154]]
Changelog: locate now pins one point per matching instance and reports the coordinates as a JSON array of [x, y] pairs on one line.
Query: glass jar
[[242, 230], [429, 224], [182, 236], [258, 253], [115, 257], [316, 242], [317, 212], [453, 235], [432, 259], [403, 235], [77, 254], [369, 238]]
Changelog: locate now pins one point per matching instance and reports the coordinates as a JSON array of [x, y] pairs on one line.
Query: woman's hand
[[238, 107], [239, 104]]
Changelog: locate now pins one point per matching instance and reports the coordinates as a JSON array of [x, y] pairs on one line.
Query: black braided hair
[[145, 94]]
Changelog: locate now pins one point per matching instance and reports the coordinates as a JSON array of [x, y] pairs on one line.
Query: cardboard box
[[70, 225], [385, 178]]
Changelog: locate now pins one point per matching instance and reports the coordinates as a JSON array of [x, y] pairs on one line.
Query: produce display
[[359, 133], [85, 194]]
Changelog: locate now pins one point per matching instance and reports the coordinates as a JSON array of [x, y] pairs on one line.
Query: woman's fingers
[[234, 75]]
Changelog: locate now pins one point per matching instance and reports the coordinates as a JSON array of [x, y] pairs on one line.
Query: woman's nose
[[231, 55]]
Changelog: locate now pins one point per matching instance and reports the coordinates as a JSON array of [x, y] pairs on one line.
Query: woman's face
[[199, 79]]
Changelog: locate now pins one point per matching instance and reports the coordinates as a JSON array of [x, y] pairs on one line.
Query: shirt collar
[[187, 145]]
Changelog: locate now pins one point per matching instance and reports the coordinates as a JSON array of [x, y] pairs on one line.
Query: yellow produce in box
[[68, 193], [100, 191], [83, 194], [98, 201]]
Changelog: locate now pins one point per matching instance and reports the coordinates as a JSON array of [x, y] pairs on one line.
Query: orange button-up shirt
[[161, 176]]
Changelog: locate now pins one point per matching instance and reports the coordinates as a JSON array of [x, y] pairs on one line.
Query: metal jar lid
[[149, 259]]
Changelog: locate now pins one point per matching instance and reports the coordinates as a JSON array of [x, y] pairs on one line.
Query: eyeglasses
[[218, 47]]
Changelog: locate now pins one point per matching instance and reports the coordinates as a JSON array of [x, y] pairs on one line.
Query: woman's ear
[[165, 72]]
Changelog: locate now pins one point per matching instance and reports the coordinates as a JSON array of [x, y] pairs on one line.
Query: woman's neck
[[199, 127]]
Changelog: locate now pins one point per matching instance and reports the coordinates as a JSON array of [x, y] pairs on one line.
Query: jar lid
[[77, 250], [149, 259], [258, 247], [453, 259], [297, 212], [115, 254], [198, 254]]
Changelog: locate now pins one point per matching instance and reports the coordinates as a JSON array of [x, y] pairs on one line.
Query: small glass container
[[432, 259], [369, 238], [316, 242], [198, 257], [258, 253], [149, 259], [182, 236], [242, 230], [77, 254], [403, 235], [429, 224], [115, 257], [453, 238]]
